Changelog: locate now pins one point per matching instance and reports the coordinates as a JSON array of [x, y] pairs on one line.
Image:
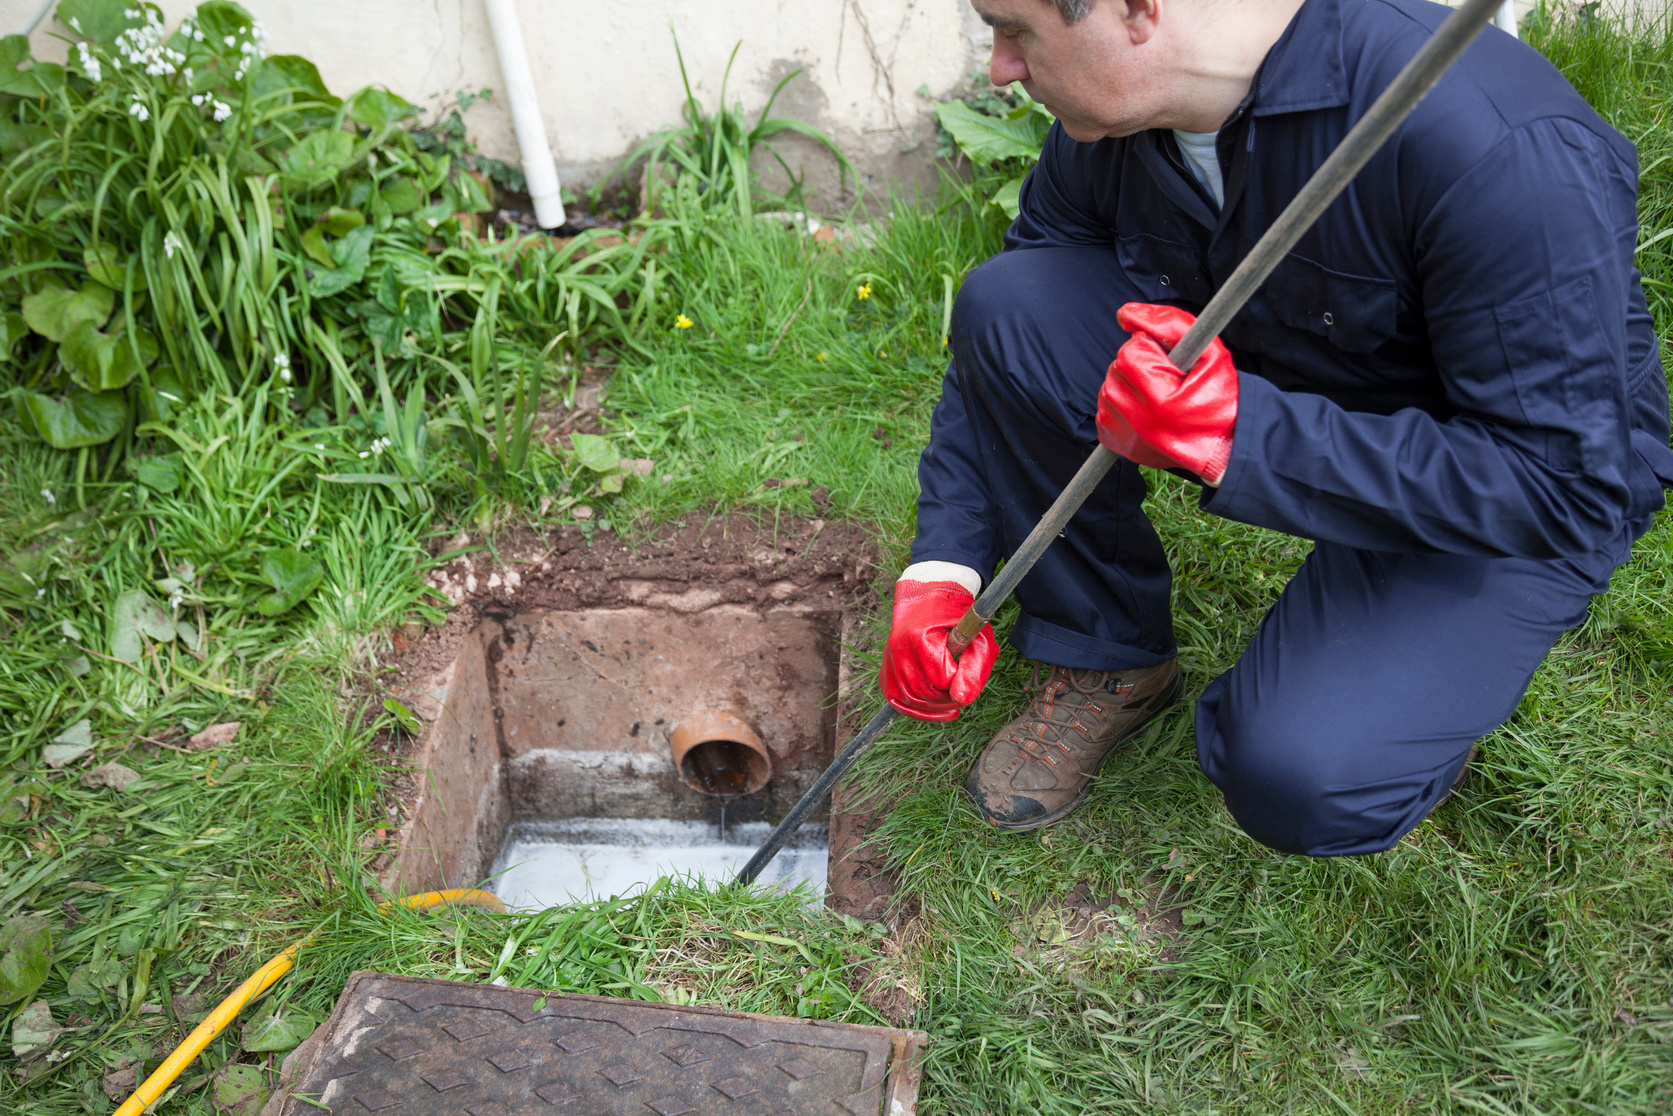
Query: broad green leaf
[[986, 139], [135, 618], [104, 361], [12, 330], [319, 158], [94, 977], [467, 194], [1009, 197], [293, 576], [39, 79], [339, 221], [76, 419], [352, 253], [611, 482], [33, 1031], [164, 397], [401, 194], [161, 474], [596, 452], [54, 311], [278, 1030], [378, 108], [25, 956], [240, 1089], [99, 20], [390, 329], [107, 264], [219, 18], [295, 73], [432, 215], [15, 139], [404, 717], [313, 243]]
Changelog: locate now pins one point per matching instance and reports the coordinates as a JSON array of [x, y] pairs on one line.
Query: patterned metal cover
[[404, 1046]]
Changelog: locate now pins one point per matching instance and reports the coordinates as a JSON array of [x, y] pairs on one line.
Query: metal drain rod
[[1396, 103]]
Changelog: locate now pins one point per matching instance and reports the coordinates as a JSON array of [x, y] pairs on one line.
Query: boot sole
[[1172, 699]]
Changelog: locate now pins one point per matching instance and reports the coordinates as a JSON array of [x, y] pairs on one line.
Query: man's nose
[[1007, 63]]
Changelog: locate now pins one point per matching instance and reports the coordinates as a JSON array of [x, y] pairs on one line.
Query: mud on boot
[[1040, 766]]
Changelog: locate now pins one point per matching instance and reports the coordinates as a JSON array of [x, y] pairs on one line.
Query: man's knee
[[992, 312], [1296, 789]]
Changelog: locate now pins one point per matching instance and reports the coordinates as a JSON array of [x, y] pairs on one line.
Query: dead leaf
[[215, 735], [120, 1081], [33, 1031], [69, 745], [638, 466], [581, 511], [113, 775]]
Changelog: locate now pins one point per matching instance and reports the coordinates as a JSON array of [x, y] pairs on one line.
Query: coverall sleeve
[[1064, 195], [955, 509], [1525, 270]]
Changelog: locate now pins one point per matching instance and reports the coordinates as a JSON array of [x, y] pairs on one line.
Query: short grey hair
[[1072, 11]]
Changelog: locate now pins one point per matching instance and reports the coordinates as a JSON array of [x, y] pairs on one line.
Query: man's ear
[[1140, 18]]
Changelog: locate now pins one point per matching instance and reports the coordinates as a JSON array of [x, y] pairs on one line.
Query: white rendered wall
[[607, 73]]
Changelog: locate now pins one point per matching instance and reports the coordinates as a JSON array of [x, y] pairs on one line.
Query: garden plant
[[264, 363]]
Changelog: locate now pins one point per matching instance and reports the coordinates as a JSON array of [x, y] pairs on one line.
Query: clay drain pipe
[[717, 753]]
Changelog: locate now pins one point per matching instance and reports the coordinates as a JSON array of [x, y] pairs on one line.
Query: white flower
[[138, 109], [175, 598], [230, 41], [281, 364], [197, 35], [89, 64], [40, 592], [320, 446], [170, 243], [222, 111], [50, 498], [199, 98], [364, 455]]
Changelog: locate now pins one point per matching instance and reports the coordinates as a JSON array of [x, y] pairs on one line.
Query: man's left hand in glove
[[1152, 413]]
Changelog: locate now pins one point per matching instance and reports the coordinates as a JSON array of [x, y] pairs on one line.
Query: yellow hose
[[260, 981]]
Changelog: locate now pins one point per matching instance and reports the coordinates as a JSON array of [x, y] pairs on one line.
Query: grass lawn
[[1514, 954]]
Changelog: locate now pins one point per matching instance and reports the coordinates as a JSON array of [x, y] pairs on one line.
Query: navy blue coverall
[[1452, 385]]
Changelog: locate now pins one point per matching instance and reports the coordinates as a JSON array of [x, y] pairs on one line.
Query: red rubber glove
[[920, 676], [1152, 413]]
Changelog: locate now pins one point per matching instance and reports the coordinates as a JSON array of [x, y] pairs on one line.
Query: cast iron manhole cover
[[404, 1046]]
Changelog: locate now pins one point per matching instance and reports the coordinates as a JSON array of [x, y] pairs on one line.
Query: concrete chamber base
[[548, 724]]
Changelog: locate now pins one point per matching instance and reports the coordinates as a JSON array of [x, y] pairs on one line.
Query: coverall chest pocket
[[1163, 270], [1354, 313]]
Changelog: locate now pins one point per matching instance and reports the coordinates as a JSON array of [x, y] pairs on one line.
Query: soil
[[686, 566]]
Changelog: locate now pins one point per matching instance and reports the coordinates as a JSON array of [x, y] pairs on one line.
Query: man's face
[[1099, 76]]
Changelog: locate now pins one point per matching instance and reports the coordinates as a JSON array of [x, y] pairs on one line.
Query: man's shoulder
[[1499, 77]]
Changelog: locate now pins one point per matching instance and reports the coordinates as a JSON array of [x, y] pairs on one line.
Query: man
[[1452, 385]]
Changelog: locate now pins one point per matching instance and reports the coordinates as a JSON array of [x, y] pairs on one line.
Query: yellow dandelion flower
[[824, 356], [683, 322], [864, 292]]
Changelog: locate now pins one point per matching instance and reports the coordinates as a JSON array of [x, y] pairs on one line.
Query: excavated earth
[[792, 583]]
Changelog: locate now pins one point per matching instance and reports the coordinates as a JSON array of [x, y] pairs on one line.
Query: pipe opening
[[717, 753]]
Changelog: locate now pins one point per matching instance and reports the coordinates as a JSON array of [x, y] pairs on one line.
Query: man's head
[[1115, 67]]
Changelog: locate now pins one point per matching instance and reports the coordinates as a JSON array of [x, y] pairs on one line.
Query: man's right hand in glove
[[920, 677]]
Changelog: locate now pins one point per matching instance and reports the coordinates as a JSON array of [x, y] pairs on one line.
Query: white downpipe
[[34, 21], [1505, 18], [538, 165]]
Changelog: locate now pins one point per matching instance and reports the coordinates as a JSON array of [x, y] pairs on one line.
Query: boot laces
[[1069, 693]]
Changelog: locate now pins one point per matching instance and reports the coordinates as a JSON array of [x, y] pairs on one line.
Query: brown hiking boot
[[1040, 766]]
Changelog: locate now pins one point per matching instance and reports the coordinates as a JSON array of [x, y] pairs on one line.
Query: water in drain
[[542, 864]]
